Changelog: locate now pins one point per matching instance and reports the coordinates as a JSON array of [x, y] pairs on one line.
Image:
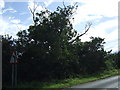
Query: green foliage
[[113, 60], [7, 48], [92, 55]]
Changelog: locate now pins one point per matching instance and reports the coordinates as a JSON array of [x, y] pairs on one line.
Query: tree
[[48, 44], [92, 55], [113, 60]]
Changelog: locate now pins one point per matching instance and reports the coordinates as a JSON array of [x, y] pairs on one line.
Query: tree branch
[[33, 11], [87, 27]]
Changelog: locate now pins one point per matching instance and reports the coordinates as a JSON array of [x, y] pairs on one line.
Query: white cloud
[[23, 13], [11, 18], [11, 10], [3, 25], [112, 36], [48, 2], [113, 45], [2, 5], [15, 21], [10, 28], [97, 8], [101, 30]]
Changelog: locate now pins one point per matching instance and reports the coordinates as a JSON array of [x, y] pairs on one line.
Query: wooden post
[[15, 74], [12, 75]]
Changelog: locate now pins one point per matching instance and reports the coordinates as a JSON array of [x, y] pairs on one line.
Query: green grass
[[68, 82]]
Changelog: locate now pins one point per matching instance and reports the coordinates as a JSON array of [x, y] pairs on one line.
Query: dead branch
[[64, 5], [33, 11], [87, 27]]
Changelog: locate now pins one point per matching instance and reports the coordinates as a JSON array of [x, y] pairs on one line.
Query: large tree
[[48, 44]]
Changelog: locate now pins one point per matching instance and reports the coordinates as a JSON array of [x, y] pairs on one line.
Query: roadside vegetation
[[66, 83], [51, 54]]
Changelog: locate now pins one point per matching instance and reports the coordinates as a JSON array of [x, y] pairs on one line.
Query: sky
[[103, 14]]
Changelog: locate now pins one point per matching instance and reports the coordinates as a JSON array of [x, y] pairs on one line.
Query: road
[[103, 84]]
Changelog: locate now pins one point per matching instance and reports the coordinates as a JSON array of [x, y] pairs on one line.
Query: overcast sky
[[103, 14]]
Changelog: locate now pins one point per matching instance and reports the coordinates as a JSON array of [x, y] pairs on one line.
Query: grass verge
[[69, 82]]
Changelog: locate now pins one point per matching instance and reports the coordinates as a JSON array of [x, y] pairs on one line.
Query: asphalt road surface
[[110, 83]]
